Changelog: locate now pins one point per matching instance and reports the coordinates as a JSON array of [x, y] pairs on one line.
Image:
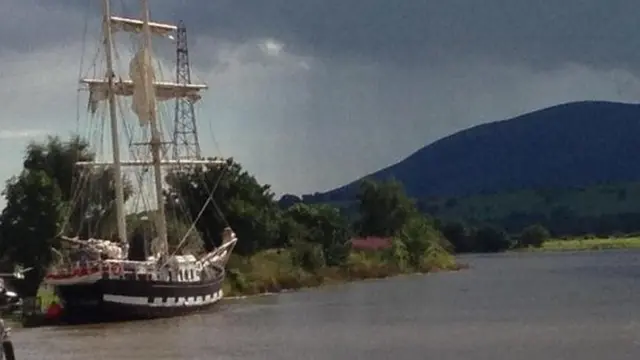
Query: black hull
[[109, 300]]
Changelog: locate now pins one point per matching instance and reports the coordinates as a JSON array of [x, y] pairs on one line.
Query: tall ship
[[128, 273]]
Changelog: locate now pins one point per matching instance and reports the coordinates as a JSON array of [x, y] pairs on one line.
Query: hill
[[610, 209], [572, 145], [591, 201]]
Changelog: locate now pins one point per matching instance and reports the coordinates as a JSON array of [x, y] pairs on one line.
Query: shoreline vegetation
[[587, 244], [273, 272]]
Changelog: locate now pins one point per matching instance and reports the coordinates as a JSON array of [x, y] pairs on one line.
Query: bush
[[423, 242], [492, 239], [308, 256], [459, 236], [361, 265], [397, 254], [534, 236]]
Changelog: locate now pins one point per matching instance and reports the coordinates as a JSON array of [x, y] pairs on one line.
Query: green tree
[[459, 236], [52, 195], [491, 239], [29, 225], [288, 200], [424, 243], [308, 256], [534, 235], [384, 208], [397, 254], [238, 201], [181, 238], [57, 158], [88, 192], [319, 224]]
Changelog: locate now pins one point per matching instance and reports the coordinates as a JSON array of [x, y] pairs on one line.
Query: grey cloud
[[30, 25], [540, 34], [419, 32]]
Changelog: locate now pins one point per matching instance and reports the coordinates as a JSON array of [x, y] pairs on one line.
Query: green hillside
[[566, 146], [586, 201], [546, 167]]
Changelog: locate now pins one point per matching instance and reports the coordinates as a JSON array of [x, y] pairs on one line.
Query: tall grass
[[589, 244], [274, 271]]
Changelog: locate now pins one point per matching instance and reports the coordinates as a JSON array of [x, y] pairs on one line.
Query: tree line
[[562, 221], [559, 222]]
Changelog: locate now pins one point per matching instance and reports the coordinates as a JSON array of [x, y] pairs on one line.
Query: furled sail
[[98, 90], [142, 75], [136, 26]]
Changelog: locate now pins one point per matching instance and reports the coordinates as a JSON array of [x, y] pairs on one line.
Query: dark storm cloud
[[538, 33], [26, 25]]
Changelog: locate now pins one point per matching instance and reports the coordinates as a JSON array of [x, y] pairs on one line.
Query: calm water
[[517, 306]]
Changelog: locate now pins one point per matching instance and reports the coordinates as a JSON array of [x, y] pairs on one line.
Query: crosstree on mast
[[185, 132]]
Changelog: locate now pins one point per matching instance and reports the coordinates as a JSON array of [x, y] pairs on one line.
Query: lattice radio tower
[[185, 132]]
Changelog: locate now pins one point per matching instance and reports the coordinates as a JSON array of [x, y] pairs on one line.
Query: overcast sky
[[311, 94]]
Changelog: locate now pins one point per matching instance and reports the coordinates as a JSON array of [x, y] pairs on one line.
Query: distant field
[[590, 244], [588, 201]]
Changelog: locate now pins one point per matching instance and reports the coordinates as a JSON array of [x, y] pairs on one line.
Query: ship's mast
[[156, 142], [145, 91], [117, 169]]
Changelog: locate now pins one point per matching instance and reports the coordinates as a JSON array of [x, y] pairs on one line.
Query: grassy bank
[[589, 244], [274, 271]]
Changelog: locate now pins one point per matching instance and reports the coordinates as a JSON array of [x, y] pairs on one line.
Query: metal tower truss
[[185, 132]]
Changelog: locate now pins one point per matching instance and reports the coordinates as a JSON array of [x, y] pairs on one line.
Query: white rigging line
[[79, 183], [82, 54]]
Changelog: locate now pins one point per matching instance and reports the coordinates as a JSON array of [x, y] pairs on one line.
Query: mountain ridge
[[572, 144]]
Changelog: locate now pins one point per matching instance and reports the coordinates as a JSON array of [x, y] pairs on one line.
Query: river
[[508, 306]]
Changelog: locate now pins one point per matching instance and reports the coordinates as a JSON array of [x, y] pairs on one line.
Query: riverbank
[[589, 244], [274, 271]]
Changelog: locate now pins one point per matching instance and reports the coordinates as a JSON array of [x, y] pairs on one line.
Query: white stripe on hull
[[158, 301]]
